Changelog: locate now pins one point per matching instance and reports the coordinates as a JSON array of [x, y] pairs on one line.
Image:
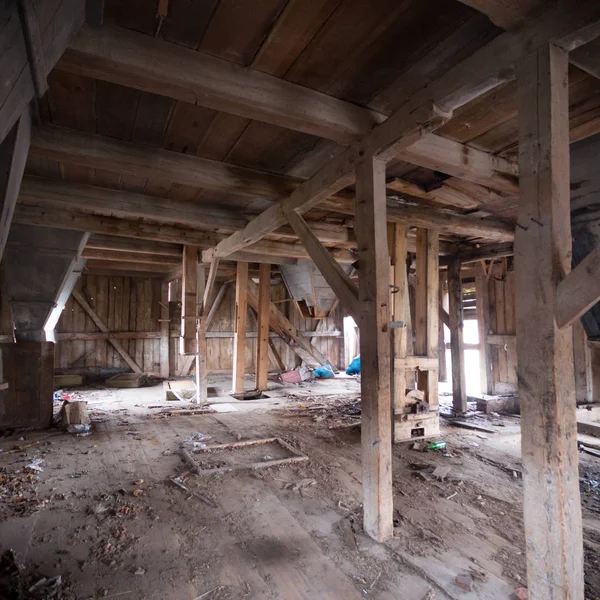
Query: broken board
[[126, 380]]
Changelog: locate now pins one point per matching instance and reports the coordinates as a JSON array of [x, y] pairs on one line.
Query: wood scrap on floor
[[126, 380], [224, 458], [340, 411]]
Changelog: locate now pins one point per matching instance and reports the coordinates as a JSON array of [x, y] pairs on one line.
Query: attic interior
[[210, 209]]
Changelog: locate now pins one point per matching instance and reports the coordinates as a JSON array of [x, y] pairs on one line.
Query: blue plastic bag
[[325, 372], [354, 366]]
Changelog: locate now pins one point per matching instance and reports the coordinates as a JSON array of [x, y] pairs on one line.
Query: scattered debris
[[441, 472], [196, 440], [341, 411], [15, 584], [521, 594], [179, 483], [34, 465], [297, 486], [441, 445], [464, 581], [74, 417]]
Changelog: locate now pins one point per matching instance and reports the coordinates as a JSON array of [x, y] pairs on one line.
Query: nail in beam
[[376, 431], [552, 507]]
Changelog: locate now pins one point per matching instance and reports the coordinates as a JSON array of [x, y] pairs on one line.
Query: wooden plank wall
[[220, 350], [133, 304], [124, 304], [502, 322]]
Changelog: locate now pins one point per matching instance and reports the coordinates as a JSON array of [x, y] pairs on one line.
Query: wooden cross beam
[[579, 290], [102, 327], [339, 281]]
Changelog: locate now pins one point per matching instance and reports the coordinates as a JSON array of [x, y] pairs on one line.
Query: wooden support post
[[241, 317], [262, 342], [164, 330], [552, 505], [443, 366], [189, 287], [457, 350], [427, 312], [399, 302], [582, 354], [482, 306], [201, 367], [374, 297]]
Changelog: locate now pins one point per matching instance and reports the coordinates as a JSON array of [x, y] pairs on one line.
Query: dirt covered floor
[[104, 515]]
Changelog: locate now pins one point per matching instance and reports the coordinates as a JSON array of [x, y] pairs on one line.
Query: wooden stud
[[262, 345], [443, 370], [189, 287], [552, 505], [201, 356], [241, 317], [399, 302], [582, 354], [455, 312], [427, 309], [483, 325], [376, 430]]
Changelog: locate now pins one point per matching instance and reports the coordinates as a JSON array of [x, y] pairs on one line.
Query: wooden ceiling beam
[[121, 227], [133, 257], [567, 26], [139, 61], [121, 244], [98, 152], [67, 195], [511, 14]]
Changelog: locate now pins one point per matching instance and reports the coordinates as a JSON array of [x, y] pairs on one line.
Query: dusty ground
[[287, 533]]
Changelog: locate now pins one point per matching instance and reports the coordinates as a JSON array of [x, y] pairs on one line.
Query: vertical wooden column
[[262, 342], [241, 318], [399, 281], [201, 362], [443, 372], [427, 313], [457, 347], [371, 235], [552, 507], [189, 287], [582, 354], [164, 330], [482, 305]]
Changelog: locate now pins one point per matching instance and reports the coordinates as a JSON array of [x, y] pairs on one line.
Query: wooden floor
[[262, 541]]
